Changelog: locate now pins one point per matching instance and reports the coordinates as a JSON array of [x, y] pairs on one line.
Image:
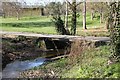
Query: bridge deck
[[71, 38]]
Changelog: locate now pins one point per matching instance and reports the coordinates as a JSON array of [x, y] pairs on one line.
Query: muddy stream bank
[[21, 53]]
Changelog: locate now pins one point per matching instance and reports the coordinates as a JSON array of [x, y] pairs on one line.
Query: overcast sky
[[47, 1], [41, 1]]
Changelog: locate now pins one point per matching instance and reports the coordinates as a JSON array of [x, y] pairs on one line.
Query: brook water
[[13, 69]]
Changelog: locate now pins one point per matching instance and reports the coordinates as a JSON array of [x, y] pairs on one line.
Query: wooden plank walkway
[[71, 38]]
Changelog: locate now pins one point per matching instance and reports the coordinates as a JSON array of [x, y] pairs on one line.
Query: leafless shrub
[[78, 47]]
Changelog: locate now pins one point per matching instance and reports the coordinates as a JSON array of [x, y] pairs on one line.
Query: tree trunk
[[31, 12], [101, 17], [84, 15], [66, 16], [4, 15], [18, 11], [92, 14], [74, 20], [8, 14], [107, 24], [18, 16]]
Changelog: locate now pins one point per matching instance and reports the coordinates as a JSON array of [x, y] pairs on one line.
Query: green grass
[[93, 33], [43, 24], [93, 64], [90, 23], [46, 30], [26, 19], [29, 24]]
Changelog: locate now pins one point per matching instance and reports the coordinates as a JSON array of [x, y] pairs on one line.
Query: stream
[[15, 50], [13, 69]]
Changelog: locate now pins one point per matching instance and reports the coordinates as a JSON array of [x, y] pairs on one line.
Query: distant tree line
[[50, 8], [65, 9]]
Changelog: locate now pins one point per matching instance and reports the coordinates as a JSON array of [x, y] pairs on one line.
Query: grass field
[[43, 24]]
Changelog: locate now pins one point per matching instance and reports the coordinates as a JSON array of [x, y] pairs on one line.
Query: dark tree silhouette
[[73, 20], [114, 24]]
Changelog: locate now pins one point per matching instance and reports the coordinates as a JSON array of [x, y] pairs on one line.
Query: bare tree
[[73, 7], [84, 14], [17, 7], [91, 8], [101, 8], [66, 16], [12, 9], [74, 20]]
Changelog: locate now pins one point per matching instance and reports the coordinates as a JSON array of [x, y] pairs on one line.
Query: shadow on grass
[[29, 24], [87, 23]]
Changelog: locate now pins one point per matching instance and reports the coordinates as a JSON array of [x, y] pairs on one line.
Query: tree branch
[[69, 3], [78, 3]]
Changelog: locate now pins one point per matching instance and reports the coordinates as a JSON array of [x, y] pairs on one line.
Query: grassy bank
[[92, 64], [43, 24]]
